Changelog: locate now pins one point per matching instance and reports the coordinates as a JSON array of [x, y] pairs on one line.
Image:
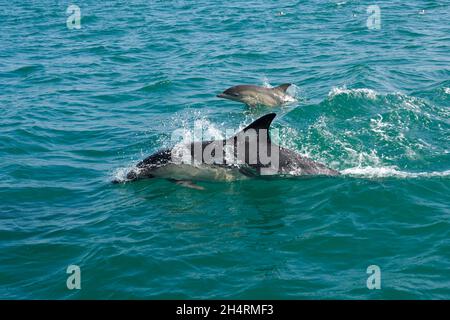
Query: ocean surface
[[79, 107]]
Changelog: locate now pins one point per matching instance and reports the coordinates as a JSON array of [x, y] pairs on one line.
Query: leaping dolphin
[[249, 153], [253, 95]]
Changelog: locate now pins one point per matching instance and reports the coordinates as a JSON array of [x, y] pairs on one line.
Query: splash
[[265, 82], [293, 92], [119, 175]]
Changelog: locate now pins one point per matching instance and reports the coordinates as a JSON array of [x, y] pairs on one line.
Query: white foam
[[289, 99], [360, 92], [386, 172], [447, 90], [379, 127]]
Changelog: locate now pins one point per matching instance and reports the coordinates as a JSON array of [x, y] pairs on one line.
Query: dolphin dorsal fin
[[261, 123], [283, 87]]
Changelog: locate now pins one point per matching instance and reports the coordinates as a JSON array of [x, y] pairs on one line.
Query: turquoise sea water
[[81, 106]]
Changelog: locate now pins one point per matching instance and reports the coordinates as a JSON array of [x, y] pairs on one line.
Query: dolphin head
[[146, 167], [234, 93]]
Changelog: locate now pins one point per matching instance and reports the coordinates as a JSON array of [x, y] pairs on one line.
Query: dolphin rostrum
[[253, 95], [249, 153]]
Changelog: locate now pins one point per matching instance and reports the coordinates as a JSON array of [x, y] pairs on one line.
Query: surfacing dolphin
[[249, 153], [254, 96]]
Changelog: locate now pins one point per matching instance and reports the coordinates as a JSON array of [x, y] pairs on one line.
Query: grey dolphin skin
[[253, 95], [210, 160]]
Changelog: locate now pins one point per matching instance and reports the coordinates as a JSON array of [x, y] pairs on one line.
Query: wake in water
[[364, 133], [387, 172]]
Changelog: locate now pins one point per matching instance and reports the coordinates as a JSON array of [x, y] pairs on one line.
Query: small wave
[[387, 172], [447, 90], [155, 86], [26, 70], [360, 92]]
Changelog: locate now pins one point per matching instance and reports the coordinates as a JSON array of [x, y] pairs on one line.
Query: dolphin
[[248, 154], [253, 95]]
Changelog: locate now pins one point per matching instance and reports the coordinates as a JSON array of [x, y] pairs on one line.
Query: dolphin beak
[[221, 95]]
